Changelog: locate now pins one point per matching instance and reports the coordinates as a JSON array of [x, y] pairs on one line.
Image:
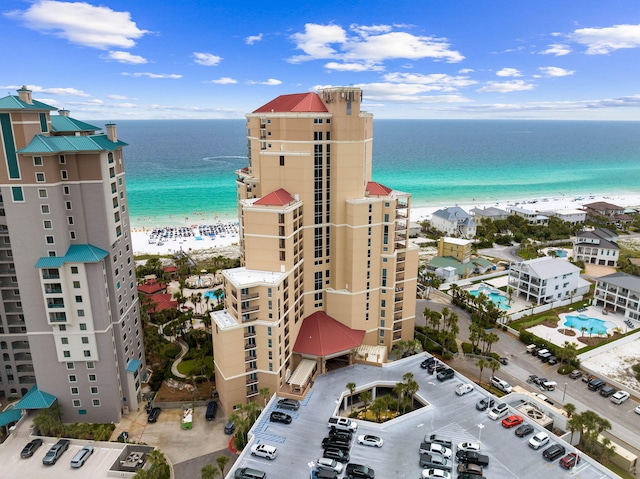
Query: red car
[[512, 421], [570, 460]]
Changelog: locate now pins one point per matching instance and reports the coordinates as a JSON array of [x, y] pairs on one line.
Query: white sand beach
[[196, 238]]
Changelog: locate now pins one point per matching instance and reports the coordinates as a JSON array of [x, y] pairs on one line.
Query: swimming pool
[[592, 325], [498, 299], [211, 294], [561, 253]]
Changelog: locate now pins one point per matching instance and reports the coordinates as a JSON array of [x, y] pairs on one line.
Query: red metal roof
[[170, 269], [162, 302], [151, 287], [297, 102], [279, 197], [377, 189], [321, 335]]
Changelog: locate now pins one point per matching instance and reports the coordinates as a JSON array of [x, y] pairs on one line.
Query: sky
[[432, 59]]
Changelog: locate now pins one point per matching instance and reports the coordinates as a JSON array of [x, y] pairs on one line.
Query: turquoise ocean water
[[182, 171]]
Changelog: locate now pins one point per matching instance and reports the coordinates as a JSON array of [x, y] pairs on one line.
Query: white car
[[620, 397], [469, 446], [264, 450], [637, 410], [539, 440], [440, 449], [368, 440], [498, 411], [463, 388], [329, 464], [435, 474]]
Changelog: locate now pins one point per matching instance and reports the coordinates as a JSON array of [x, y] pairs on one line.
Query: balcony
[[397, 326], [249, 345], [251, 380], [247, 297], [398, 298], [250, 309], [20, 345], [22, 357]]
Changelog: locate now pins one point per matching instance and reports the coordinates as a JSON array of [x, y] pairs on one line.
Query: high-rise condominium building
[[70, 327], [327, 268]]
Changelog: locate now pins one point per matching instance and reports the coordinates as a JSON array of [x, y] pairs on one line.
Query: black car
[[53, 454], [212, 407], [553, 452], [596, 384], [524, 430], [469, 475], [291, 404], [277, 416], [336, 443], [337, 454], [30, 448], [153, 414], [341, 433], [437, 366], [427, 362], [485, 403], [445, 374], [359, 471]]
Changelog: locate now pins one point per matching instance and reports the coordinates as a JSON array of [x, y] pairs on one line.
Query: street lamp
[[480, 427], [565, 392]]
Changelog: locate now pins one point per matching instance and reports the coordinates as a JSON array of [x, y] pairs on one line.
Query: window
[[71, 366], [40, 177], [94, 390], [50, 240], [77, 403], [63, 174], [83, 326], [72, 235], [66, 354], [44, 209], [85, 340], [63, 327], [78, 299], [74, 270], [67, 205], [73, 378], [42, 193], [81, 313], [62, 159], [76, 284], [37, 161], [90, 365], [47, 224], [75, 391], [281, 160], [87, 353], [92, 378], [64, 340], [96, 402], [18, 195], [66, 190]]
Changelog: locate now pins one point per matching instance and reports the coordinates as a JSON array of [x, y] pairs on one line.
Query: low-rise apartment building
[[619, 293], [544, 280], [597, 246]]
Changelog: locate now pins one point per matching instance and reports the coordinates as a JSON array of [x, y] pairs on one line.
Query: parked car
[[485, 403], [30, 448], [336, 443], [552, 360], [264, 450], [512, 421], [438, 440], [337, 454], [570, 460], [81, 456], [501, 384], [463, 388], [229, 428], [620, 397], [608, 391], [54, 453], [435, 474], [323, 474], [432, 447], [434, 461], [368, 440], [553, 452], [588, 377], [637, 409], [341, 433], [596, 384], [471, 457], [469, 475], [503, 360], [154, 414], [539, 440], [291, 404], [498, 411], [343, 423], [469, 446], [277, 416], [524, 430], [425, 364], [212, 407], [359, 471], [249, 473], [532, 378], [575, 374], [445, 374], [468, 468], [327, 463]]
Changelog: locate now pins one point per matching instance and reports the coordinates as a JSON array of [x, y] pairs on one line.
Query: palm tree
[[209, 472], [607, 451], [222, 461], [494, 365], [351, 386], [400, 389], [574, 424], [265, 393], [481, 363], [366, 397], [377, 407], [570, 408], [412, 388]]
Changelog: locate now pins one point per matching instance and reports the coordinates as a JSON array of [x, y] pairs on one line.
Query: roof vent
[[24, 94]]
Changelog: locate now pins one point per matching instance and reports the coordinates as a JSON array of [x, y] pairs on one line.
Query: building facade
[[457, 248], [597, 246], [545, 280], [532, 218], [454, 221], [619, 293], [324, 249], [69, 314]]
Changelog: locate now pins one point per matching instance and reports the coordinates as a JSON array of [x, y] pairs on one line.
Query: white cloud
[[600, 41], [61, 91], [466, 70], [117, 97], [509, 72], [224, 81], [152, 75], [506, 87], [81, 23], [557, 49], [251, 39], [354, 67], [368, 45], [206, 59], [434, 81], [556, 71], [269, 82], [126, 57]]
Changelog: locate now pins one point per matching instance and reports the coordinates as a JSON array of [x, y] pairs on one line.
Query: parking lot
[[448, 415]]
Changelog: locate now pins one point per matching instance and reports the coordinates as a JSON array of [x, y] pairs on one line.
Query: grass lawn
[[186, 367]]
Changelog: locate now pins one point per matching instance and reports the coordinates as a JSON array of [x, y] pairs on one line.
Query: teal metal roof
[[61, 144], [12, 102], [133, 365], [35, 399], [77, 253], [64, 123], [10, 415]]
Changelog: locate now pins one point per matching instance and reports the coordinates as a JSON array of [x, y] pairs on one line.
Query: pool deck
[[556, 337]]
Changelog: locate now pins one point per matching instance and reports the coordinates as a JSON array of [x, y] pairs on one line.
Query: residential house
[[454, 221], [597, 246], [619, 293]]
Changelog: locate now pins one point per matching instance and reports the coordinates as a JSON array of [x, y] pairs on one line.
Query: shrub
[[565, 369]]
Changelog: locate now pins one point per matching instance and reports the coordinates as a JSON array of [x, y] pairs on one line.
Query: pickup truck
[[438, 440], [471, 457], [343, 423], [431, 447], [434, 461]]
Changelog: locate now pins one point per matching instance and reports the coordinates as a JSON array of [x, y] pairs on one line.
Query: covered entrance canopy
[[35, 399], [302, 374]]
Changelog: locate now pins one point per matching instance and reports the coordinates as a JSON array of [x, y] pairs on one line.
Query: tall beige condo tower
[[328, 273], [70, 328]]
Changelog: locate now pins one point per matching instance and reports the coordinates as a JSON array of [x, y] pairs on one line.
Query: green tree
[[351, 386], [366, 397], [400, 389], [158, 467], [481, 363], [222, 462], [377, 407], [570, 409], [209, 472], [266, 394]]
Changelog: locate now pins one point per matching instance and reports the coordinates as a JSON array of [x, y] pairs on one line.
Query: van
[[212, 407], [501, 384], [229, 428], [530, 348], [608, 391], [539, 440], [248, 473], [549, 386]]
